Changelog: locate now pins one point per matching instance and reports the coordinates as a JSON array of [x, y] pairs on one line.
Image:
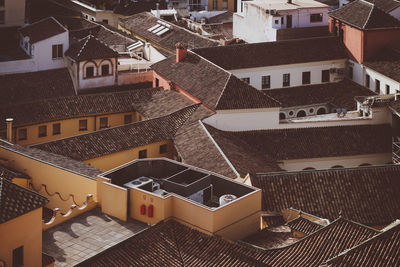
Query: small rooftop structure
[[90, 48], [280, 5]]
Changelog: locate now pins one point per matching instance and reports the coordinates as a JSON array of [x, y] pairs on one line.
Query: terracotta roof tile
[[386, 5], [304, 225], [42, 30], [386, 62], [16, 200], [274, 53], [9, 173], [90, 48], [366, 194]]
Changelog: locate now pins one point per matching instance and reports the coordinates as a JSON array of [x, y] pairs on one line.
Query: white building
[[272, 20]]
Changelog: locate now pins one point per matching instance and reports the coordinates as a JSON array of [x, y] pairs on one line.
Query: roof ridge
[[369, 15], [223, 90], [84, 45]]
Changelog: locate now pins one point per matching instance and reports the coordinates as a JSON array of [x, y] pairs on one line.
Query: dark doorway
[[289, 21]]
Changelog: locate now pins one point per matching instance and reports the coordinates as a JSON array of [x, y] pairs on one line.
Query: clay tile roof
[[380, 250], [304, 225], [340, 94], [23, 87], [16, 200], [366, 194], [242, 56], [386, 5], [9, 173], [212, 85], [149, 102], [139, 24], [173, 244], [301, 143], [90, 48], [364, 15], [42, 30], [120, 138], [55, 160], [386, 62], [321, 245], [134, 7], [271, 237]]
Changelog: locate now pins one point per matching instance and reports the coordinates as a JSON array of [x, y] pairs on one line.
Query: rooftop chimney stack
[[181, 51], [9, 122]]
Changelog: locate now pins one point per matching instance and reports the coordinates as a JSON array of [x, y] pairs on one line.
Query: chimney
[[181, 51], [9, 122], [158, 10]]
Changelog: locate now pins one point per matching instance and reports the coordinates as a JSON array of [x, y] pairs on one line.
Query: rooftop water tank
[[224, 199]]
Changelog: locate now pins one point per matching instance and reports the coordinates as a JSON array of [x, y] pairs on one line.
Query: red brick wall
[[379, 39]]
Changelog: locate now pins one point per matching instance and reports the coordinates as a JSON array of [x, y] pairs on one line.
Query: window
[[377, 86], [266, 82], [127, 119], [89, 72], [57, 51], [282, 116], [316, 17], [282, 20], [215, 4], [246, 80], [22, 134], [18, 257], [82, 125], [224, 4], [105, 70], [306, 77], [387, 89], [143, 154], [367, 81], [105, 21], [301, 113], [325, 76], [277, 21], [163, 149], [286, 79], [351, 73], [103, 122], [321, 111], [42, 131], [157, 82], [2, 16], [56, 128]]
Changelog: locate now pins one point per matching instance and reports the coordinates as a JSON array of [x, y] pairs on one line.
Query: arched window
[[301, 113], [337, 167], [105, 68], [321, 111], [282, 116], [89, 70]]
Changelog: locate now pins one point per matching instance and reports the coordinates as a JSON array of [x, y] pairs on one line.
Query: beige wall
[[25, 230], [70, 127], [14, 13], [114, 201], [57, 180], [114, 160]]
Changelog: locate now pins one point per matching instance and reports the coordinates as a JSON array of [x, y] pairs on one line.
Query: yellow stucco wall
[[115, 201], [25, 230], [70, 127], [114, 160], [57, 180], [231, 5]]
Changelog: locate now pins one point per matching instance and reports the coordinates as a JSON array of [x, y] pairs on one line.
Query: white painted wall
[[395, 13], [14, 13], [329, 162], [152, 54], [17, 66], [253, 24], [295, 70], [97, 80]]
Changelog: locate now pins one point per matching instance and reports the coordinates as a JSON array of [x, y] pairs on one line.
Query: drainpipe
[[9, 122]]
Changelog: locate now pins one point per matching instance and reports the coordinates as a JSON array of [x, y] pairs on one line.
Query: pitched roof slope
[[9, 174], [365, 194], [173, 244], [380, 250], [365, 16], [149, 102], [42, 30], [304, 225], [316, 248], [340, 94], [116, 139], [386, 5], [386, 62], [265, 54], [90, 48], [58, 161], [16, 200], [212, 85], [139, 24], [302, 143], [23, 87]]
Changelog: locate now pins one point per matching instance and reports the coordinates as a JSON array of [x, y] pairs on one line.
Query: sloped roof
[[380, 250], [321, 245], [365, 16], [368, 195], [9, 173], [173, 244], [16, 200], [120, 138], [128, 8], [212, 85], [304, 225], [139, 24], [42, 29], [90, 48], [302, 143], [265, 54], [386, 62], [386, 5]]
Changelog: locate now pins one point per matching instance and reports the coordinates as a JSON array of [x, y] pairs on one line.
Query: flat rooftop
[[284, 5], [164, 177]]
